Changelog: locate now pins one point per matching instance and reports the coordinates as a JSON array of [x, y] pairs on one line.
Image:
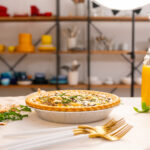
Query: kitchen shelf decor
[[88, 52]]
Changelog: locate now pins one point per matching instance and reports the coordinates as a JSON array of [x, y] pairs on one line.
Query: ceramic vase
[[73, 77]]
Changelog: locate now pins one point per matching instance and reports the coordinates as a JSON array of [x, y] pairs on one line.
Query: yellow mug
[[11, 48]]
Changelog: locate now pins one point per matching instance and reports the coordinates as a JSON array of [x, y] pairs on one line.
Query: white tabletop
[[137, 139]]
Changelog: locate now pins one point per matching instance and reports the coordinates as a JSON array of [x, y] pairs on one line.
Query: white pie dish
[[73, 114], [73, 117]]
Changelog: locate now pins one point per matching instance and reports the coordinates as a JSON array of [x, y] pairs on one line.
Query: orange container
[[146, 84], [145, 89], [25, 43]]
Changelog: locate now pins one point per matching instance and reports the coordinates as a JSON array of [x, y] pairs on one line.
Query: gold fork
[[110, 126], [114, 136]]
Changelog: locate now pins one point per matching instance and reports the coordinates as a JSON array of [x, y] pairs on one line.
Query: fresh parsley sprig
[[66, 100], [15, 113], [25, 108], [145, 108]]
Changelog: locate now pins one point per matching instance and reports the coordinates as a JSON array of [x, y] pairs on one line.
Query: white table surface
[[137, 139]]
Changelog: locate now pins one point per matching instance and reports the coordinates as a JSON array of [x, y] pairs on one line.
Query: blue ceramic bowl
[[5, 81]]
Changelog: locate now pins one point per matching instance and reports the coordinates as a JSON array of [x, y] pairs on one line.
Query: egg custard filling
[[72, 100]]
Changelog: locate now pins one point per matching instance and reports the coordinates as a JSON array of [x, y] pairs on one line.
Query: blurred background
[[29, 37]]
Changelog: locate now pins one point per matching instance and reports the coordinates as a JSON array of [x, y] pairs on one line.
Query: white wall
[[102, 65]]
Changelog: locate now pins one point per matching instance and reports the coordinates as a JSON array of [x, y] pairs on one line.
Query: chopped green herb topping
[[15, 113]]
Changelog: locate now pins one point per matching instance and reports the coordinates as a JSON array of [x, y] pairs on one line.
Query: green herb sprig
[[145, 108], [66, 100], [15, 113]]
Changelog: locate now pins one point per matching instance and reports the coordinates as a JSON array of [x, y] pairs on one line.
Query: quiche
[[72, 100]]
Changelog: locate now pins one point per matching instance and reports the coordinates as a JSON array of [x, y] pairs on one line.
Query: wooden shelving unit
[[88, 52]]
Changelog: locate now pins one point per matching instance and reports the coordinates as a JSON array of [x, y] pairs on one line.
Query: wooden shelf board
[[74, 52], [71, 18], [73, 86], [35, 52], [121, 18], [29, 86], [103, 18], [69, 86], [20, 19], [109, 52], [114, 52], [141, 52], [114, 86]]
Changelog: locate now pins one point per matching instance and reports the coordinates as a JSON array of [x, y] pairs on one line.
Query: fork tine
[[120, 130], [113, 122], [120, 123], [110, 123], [124, 132]]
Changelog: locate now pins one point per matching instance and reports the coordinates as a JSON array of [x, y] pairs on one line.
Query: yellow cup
[[46, 39], [11, 48]]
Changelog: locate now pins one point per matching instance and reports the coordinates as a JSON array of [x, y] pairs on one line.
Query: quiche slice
[[72, 100]]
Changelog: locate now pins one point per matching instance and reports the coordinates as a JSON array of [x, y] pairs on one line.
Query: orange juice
[[146, 84]]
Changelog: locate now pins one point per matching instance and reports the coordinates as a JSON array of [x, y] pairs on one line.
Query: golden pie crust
[[31, 101]]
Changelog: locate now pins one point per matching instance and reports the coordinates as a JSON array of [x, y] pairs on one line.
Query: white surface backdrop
[[136, 139]]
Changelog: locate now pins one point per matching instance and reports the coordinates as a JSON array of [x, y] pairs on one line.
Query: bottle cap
[[147, 58]]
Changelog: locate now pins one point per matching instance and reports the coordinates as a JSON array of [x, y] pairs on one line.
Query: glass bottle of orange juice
[[145, 89]]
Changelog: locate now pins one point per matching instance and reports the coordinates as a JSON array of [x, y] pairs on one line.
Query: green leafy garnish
[[15, 113], [145, 108], [25, 108], [73, 97], [66, 100], [63, 94]]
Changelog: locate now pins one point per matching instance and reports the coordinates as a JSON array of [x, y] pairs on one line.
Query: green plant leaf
[[145, 108], [140, 111]]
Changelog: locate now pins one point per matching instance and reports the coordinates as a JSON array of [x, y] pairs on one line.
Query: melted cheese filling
[[74, 99]]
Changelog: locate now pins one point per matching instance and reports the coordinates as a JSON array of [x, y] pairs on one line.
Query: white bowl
[[126, 80], [73, 117], [97, 82], [138, 80], [24, 82]]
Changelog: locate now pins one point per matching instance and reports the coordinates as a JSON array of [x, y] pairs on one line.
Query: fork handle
[[47, 142]]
